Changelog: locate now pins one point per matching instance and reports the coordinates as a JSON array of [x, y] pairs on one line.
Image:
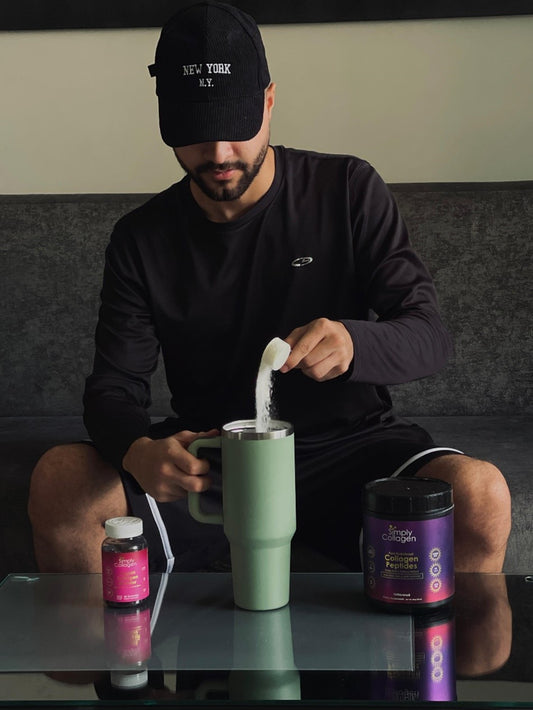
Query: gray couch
[[476, 239]]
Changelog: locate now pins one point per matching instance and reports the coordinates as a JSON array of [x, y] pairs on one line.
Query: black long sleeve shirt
[[211, 295]]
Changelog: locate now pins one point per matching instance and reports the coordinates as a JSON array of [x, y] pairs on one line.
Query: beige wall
[[446, 100]]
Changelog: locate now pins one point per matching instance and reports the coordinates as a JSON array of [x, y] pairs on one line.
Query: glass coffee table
[[190, 647]]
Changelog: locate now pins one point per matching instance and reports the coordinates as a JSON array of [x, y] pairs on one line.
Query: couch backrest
[[476, 239]]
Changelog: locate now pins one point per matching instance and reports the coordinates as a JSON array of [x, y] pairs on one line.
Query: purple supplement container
[[408, 543]]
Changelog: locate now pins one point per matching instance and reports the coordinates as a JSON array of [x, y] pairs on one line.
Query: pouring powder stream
[[263, 397], [274, 356]]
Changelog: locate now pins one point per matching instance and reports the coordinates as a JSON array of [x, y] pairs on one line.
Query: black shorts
[[330, 475]]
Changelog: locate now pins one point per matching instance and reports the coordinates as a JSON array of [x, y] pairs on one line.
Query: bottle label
[[125, 576], [408, 562]]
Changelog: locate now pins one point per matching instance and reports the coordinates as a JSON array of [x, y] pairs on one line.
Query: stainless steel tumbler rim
[[245, 429]]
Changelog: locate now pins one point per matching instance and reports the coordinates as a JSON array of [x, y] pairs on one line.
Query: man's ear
[[270, 96]]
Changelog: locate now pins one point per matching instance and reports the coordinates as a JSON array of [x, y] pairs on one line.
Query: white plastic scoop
[[275, 354]]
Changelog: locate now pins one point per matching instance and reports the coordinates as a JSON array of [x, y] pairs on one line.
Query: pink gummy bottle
[[125, 573]]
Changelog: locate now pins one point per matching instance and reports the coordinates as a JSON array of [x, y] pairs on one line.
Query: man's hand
[[165, 469], [322, 350]]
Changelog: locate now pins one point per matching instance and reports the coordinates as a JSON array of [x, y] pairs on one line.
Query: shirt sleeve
[[117, 393], [408, 340]]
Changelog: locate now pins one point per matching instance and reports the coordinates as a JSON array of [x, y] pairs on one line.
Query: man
[[256, 241]]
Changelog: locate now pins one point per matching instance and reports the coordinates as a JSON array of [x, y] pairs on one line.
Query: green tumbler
[[259, 509]]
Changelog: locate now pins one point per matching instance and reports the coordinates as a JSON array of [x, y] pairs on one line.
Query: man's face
[[223, 170]]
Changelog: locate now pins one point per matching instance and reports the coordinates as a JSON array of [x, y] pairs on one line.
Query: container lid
[[129, 680], [407, 495], [123, 527]]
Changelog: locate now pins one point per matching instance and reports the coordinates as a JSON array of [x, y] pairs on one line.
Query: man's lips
[[220, 172], [221, 175]]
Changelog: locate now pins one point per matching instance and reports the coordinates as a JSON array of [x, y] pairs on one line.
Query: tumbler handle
[[193, 499]]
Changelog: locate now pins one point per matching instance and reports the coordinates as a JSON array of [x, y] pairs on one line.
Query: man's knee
[[72, 492], [69, 478], [481, 495], [48, 479]]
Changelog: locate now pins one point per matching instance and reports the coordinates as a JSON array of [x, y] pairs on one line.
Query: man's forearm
[[391, 352]]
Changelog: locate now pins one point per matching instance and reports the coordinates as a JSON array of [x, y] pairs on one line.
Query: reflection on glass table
[[190, 643]]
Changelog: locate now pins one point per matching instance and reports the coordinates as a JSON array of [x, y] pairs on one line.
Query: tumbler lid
[[245, 429], [123, 527], [408, 495]]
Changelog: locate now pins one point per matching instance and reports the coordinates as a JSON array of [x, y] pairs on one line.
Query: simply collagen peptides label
[[409, 562]]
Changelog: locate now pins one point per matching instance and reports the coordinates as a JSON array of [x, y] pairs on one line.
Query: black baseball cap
[[211, 74]]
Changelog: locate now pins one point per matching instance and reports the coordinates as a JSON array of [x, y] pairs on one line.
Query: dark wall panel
[[78, 14]]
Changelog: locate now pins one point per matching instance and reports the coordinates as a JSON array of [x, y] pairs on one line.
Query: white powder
[[263, 397], [274, 356]]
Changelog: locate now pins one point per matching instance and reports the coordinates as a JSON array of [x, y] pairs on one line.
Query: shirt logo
[[302, 261]]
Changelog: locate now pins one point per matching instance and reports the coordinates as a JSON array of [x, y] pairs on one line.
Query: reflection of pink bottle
[[127, 635], [433, 677], [125, 573]]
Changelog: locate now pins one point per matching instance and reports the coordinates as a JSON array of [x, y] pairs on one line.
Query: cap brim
[[189, 122]]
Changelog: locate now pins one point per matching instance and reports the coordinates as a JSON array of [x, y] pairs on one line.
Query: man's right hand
[[165, 469]]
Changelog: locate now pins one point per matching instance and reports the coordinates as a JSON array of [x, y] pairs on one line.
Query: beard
[[223, 193]]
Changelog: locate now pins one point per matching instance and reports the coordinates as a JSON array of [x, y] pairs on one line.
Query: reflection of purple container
[[408, 543], [433, 676]]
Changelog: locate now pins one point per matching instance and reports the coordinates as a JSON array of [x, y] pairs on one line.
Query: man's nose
[[218, 151]]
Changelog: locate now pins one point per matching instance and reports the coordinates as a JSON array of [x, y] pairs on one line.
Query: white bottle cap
[[129, 680], [123, 527]]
